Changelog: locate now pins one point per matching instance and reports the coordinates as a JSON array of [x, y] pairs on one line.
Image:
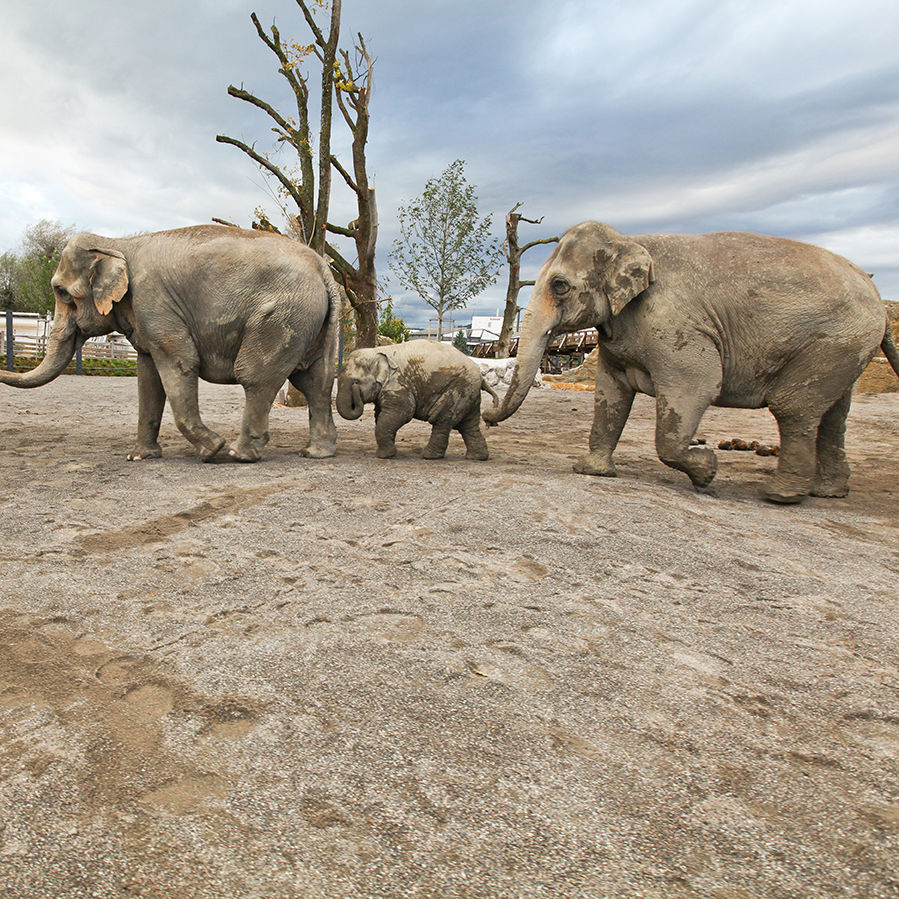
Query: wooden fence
[[27, 335], [561, 352]]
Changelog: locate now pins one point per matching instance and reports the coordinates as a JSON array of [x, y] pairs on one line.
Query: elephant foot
[[593, 465], [386, 453], [248, 450], [701, 479], [477, 456], [787, 489], [832, 489], [702, 466], [318, 452], [432, 454], [147, 452], [252, 455], [784, 497], [209, 451], [832, 480]]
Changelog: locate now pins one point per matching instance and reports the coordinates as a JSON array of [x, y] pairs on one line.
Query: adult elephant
[[214, 302], [729, 319]]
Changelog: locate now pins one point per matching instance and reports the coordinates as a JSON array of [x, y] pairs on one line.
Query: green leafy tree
[[391, 325], [8, 264], [460, 342], [445, 252], [25, 278]]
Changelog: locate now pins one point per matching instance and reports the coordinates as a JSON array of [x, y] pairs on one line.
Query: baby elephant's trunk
[[349, 398]]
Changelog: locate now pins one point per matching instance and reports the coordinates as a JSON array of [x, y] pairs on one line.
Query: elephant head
[[593, 273], [363, 378], [89, 279]]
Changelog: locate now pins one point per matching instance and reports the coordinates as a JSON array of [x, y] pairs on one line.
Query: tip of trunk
[[349, 402], [59, 355]]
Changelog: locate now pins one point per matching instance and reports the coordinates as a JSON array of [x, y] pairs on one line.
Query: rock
[[501, 370]]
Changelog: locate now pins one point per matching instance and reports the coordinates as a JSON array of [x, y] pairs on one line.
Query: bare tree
[[514, 252], [352, 83], [296, 132]]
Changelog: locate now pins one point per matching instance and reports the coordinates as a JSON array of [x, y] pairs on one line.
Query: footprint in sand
[[391, 626], [229, 720], [154, 700], [181, 797]]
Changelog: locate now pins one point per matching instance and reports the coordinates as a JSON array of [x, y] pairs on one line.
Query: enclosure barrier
[[26, 336]]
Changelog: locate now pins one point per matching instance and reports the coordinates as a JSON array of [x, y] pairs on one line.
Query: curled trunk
[[349, 399], [62, 344]]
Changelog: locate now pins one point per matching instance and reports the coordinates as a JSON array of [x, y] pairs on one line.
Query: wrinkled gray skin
[[212, 302], [729, 319], [419, 379]]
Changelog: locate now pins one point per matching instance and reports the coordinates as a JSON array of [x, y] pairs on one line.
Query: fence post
[[9, 341]]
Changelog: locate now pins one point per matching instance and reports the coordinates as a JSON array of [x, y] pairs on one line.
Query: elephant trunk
[[535, 332], [62, 344], [349, 398]]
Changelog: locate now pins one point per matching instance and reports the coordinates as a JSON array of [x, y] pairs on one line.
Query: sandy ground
[[367, 678]]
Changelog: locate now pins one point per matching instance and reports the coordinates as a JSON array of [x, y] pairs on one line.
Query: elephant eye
[[62, 294], [559, 286]]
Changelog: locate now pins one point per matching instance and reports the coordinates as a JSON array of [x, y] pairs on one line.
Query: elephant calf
[[429, 381]]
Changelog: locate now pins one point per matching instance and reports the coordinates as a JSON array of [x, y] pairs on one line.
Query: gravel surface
[[398, 678]]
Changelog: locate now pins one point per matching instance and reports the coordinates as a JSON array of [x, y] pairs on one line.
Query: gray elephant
[[727, 319], [214, 302], [419, 379]]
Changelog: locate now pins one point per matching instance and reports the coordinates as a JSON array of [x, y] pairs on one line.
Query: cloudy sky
[[650, 115]]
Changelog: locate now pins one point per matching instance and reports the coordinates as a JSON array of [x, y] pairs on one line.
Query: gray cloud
[[652, 115]]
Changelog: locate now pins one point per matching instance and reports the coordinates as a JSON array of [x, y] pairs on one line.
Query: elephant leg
[[611, 407], [150, 404], [795, 475], [315, 384], [258, 399], [386, 426], [436, 448], [475, 443], [678, 414], [180, 382], [832, 477]]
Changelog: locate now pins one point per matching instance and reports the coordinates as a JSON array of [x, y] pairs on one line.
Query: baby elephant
[[419, 379]]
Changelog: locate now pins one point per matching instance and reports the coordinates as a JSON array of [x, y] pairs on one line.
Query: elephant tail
[[889, 347], [331, 328], [488, 389]]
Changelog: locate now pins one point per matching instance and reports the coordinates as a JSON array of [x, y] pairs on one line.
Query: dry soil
[[367, 678]]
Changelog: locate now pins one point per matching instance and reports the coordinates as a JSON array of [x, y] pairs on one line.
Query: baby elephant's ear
[[387, 366], [632, 273], [109, 278]]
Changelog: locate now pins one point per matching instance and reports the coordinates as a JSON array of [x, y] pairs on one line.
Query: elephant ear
[[630, 274], [109, 278], [386, 368]]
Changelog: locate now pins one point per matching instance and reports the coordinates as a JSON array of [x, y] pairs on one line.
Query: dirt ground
[[367, 678]]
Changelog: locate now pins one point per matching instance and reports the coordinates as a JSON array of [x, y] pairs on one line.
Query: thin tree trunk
[[360, 281], [514, 252], [329, 54]]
